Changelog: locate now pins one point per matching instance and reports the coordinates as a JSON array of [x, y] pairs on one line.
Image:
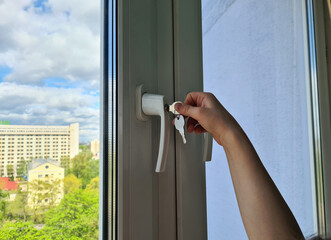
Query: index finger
[[194, 98]]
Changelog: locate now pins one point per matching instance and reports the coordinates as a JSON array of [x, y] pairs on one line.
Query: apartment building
[[20, 143], [45, 182], [95, 148]]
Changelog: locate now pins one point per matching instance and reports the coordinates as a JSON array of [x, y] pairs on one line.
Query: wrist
[[229, 136]]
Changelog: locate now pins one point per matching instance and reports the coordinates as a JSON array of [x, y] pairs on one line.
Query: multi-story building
[[19, 143], [95, 148]]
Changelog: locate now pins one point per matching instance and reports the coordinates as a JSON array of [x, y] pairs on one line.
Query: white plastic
[[140, 91], [172, 108], [153, 105]]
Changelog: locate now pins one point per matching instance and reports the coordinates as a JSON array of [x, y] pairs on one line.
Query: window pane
[[113, 119], [253, 53], [49, 119]]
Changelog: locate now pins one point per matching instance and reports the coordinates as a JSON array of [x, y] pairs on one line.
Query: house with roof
[[6, 184], [45, 179]]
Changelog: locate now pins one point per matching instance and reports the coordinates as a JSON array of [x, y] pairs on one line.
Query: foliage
[[93, 186], [83, 147], [43, 195], [10, 172], [71, 184], [3, 204], [22, 168], [93, 167], [65, 163], [85, 167], [18, 208], [76, 217], [19, 230]]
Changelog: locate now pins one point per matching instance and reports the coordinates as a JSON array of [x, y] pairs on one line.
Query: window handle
[[153, 105], [208, 147]]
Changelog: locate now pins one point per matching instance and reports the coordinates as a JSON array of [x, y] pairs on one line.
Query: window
[[263, 49], [50, 82], [54, 70]]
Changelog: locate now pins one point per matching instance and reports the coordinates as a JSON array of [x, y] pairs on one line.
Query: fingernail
[[178, 106]]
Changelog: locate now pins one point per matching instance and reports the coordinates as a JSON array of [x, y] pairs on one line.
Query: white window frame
[[319, 93], [170, 205]]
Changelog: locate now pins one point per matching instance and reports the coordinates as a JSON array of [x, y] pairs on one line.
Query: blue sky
[[49, 68], [4, 70]]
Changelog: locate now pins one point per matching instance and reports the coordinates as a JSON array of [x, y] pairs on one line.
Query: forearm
[[264, 212]]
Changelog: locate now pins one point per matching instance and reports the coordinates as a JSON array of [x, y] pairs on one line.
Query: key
[[172, 108], [179, 124]]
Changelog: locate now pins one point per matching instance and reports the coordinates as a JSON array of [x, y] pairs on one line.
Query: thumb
[[187, 110]]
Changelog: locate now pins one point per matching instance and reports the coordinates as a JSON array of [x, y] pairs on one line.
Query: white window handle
[[208, 147], [153, 105]]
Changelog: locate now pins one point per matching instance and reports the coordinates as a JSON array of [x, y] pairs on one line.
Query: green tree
[[93, 186], [83, 147], [22, 168], [10, 172], [76, 217], [93, 166], [85, 167], [43, 195], [3, 204], [65, 163], [19, 207], [20, 231], [53, 190], [71, 184], [36, 197]]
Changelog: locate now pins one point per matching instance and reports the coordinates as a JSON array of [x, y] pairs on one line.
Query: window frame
[[320, 112], [134, 169], [190, 168]]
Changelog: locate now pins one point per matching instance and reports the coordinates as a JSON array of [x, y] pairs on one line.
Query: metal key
[[172, 108], [179, 124]]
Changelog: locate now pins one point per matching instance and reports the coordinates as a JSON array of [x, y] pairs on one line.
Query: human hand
[[206, 114]]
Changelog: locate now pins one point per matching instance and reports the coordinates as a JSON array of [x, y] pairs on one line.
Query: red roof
[[5, 184]]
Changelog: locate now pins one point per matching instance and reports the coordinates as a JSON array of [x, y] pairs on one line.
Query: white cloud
[[24, 104], [63, 42]]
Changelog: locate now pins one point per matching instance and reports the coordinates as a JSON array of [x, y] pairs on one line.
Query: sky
[[50, 63]]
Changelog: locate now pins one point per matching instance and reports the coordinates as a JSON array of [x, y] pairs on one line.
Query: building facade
[[19, 143], [45, 179], [95, 148]]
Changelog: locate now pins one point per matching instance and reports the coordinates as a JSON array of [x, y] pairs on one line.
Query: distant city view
[[40, 166], [49, 119]]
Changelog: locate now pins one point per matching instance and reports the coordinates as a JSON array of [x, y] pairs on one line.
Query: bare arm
[[263, 210]]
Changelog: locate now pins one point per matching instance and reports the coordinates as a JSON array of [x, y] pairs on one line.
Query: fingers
[[197, 98], [199, 129], [191, 123], [191, 99], [187, 110], [193, 126]]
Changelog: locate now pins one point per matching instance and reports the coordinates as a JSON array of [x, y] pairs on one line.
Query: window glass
[[111, 76], [253, 59], [49, 119]]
